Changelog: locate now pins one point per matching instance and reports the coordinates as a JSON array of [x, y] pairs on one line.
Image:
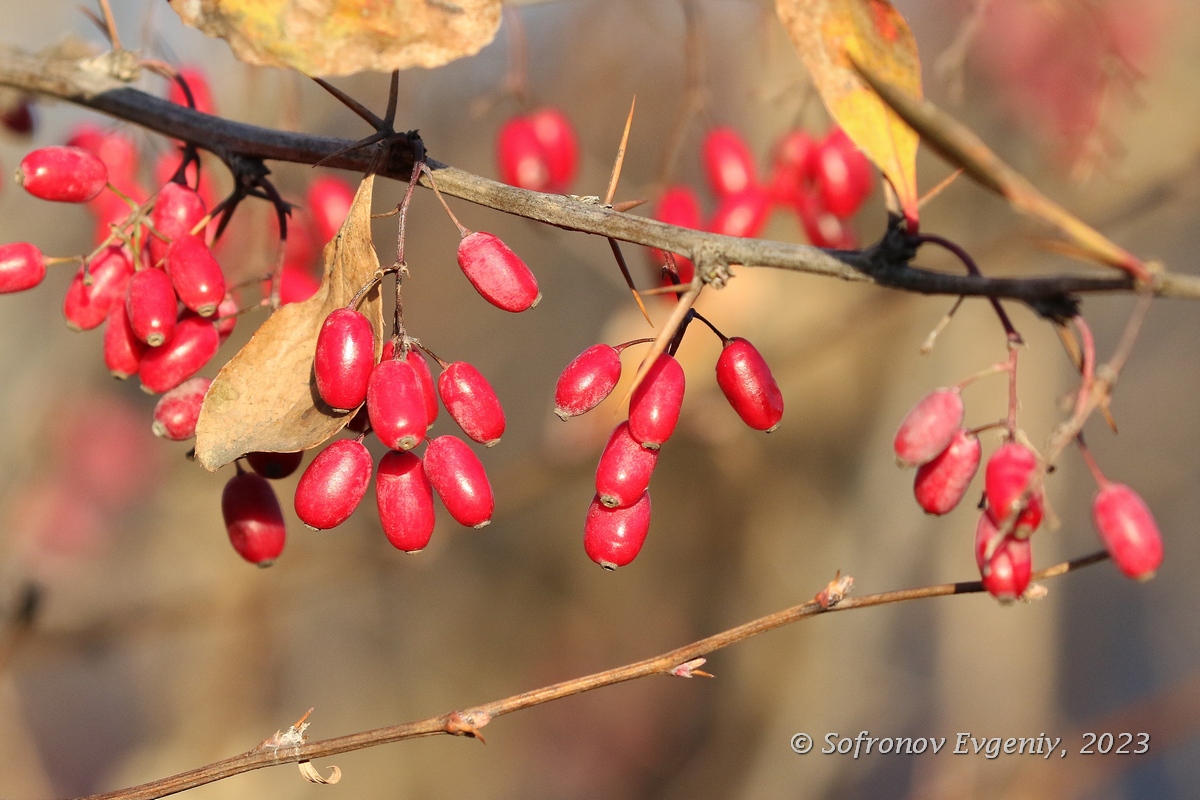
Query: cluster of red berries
[[824, 181], [538, 151], [618, 518], [947, 456]]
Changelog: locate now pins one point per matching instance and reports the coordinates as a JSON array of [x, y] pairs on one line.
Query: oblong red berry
[[196, 275], [460, 481], [86, 307], [334, 484], [21, 267], [654, 407], [62, 174], [274, 466], [843, 174], [1005, 480], [679, 205], [328, 200], [928, 428], [555, 133], [177, 210], [1007, 571], [497, 273], [123, 351], [344, 359], [727, 162], [152, 306], [253, 518], [749, 386], [404, 497], [743, 214], [471, 402], [226, 317], [176, 412], [623, 474], [421, 367], [521, 157], [941, 484], [791, 166], [612, 537], [396, 405], [1128, 531], [586, 381], [192, 345]]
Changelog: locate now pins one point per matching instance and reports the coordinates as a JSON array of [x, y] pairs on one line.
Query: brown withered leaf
[[832, 36], [341, 37], [265, 399]]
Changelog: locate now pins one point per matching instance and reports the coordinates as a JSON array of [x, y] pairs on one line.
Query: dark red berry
[[274, 466], [62, 174], [253, 518], [192, 345], [404, 497], [328, 200], [1005, 480], [1007, 571], [586, 381], [177, 210], [623, 474], [123, 351], [21, 267], [743, 214], [334, 484], [396, 405], [176, 412], [1128, 531], [928, 428], [560, 146], [497, 272], [749, 386], [152, 306], [654, 407], [470, 401], [612, 537], [344, 358], [18, 118], [941, 484], [459, 479], [86, 307], [727, 162], [196, 275], [521, 157]]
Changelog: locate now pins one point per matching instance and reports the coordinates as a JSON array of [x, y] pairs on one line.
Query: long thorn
[[616, 173], [352, 104], [616, 249]]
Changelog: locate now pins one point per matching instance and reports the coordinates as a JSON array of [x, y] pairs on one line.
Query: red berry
[[497, 272], [749, 386], [560, 146], [623, 474], [334, 484], [822, 228], [177, 210], [396, 405], [459, 479], [152, 306], [123, 351], [196, 275], [470, 401], [1006, 573], [253, 518], [928, 428], [226, 317], [197, 82], [192, 345], [792, 167], [296, 284], [727, 162], [843, 174], [62, 174], [1128, 531], [586, 381], [654, 407], [18, 118], [679, 206], [116, 150], [612, 537], [942, 483], [1004, 481], [328, 200], [21, 267], [743, 214], [344, 358], [176, 412], [421, 367], [521, 157], [85, 307], [274, 466], [404, 497]]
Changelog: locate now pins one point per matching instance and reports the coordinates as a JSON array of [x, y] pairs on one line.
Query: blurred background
[[155, 648]]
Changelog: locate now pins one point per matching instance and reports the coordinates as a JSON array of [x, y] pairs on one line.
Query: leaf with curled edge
[[265, 399], [831, 36], [341, 37]]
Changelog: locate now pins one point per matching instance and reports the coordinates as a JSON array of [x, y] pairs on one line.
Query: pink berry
[[152, 306], [470, 401], [749, 386], [941, 484], [176, 412], [459, 479], [654, 407], [612, 537], [843, 174], [86, 307], [404, 497], [21, 267], [1128, 531], [123, 351], [192, 345], [274, 466], [679, 206], [743, 214], [334, 484], [177, 210], [623, 474], [1007, 572], [560, 146], [328, 200], [521, 157], [62, 174], [195, 274], [396, 405], [253, 518], [727, 162], [1004, 481], [344, 358], [586, 381], [928, 428], [497, 272]]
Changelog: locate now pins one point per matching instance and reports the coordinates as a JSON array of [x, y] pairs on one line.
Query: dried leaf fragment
[[311, 774], [265, 399]]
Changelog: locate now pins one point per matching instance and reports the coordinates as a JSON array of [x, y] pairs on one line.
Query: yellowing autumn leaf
[[341, 37], [265, 399], [832, 36]]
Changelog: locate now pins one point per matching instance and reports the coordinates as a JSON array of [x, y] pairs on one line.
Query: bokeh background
[[156, 649]]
